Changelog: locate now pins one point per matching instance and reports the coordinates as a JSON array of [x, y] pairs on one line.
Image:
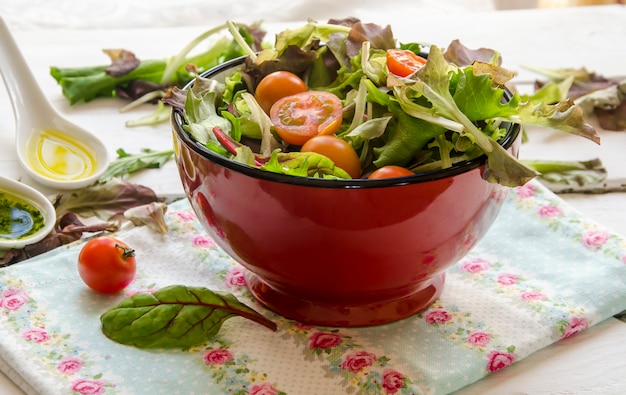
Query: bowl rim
[[177, 120]]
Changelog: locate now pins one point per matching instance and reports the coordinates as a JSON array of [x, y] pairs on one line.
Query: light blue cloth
[[543, 273]]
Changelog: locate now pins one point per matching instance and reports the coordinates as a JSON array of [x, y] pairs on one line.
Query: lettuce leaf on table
[[128, 77]]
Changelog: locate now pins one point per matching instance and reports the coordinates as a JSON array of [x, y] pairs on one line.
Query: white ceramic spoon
[[34, 115], [34, 198]]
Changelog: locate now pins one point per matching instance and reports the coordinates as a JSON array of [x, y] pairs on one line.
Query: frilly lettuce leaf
[[564, 116], [304, 164], [433, 82]]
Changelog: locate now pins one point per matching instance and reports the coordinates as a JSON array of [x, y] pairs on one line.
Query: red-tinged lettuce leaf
[[585, 81], [175, 98], [122, 62], [176, 316], [378, 36], [613, 119], [104, 200], [136, 89], [460, 55], [293, 59]]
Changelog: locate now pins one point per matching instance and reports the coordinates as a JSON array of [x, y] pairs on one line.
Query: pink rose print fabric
[[324, 340], [479, 339], [70, 365], [217, 357], [542, 274], [88, 387], [499, 360], [12, 298], [357, 361]]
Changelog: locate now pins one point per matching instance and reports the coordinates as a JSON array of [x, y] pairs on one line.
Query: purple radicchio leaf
[[122, 62], [104, 201], [462, 56]]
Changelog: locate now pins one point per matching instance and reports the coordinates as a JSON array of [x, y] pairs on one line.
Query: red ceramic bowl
[[339, 253]]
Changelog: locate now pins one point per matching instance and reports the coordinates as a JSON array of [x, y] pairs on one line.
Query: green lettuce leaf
[[304, 164], [479, 100], [433, 83]]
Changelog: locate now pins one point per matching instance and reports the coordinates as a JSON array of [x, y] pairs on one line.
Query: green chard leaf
[[176, 316]]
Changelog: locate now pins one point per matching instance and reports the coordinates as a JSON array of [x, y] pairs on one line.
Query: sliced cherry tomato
[[390, 171], [299, 117], [277, 85], [339, 151], [403, 62], [106, 264]]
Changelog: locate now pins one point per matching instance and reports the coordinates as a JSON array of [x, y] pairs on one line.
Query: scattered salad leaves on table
[[69, 228], [109, 203], [126, 163], [151, 214], [130, 78], [104, 201], [597, 95], [573, 173], [175, 316]]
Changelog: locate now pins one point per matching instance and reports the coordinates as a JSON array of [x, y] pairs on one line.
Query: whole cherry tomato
[[339, 151], [106, 264], [403, 62], [390, 171], [299, 117], [277, 85]]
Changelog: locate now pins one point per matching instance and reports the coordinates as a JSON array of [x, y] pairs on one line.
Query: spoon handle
[[24, 92]]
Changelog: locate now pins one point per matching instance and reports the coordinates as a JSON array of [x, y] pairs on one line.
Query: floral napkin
[[543, 273]]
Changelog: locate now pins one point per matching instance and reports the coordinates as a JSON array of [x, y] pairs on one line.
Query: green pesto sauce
[[18, 218]]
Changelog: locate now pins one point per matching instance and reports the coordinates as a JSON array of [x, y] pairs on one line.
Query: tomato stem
[[126, 251]]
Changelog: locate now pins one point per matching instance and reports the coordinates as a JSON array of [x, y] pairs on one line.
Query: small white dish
[[34, 198]]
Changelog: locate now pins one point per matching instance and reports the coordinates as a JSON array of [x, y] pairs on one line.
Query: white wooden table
[[594, 37]]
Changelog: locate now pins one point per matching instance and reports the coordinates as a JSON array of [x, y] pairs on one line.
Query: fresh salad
[[346, 100]]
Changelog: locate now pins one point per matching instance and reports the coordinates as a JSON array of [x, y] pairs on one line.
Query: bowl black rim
[[177, 119]]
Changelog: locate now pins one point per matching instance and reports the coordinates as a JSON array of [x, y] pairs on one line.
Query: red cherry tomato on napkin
[[403, 62], [106, 264], [277, 85], [390, 171], [339, 151], [299, 117]]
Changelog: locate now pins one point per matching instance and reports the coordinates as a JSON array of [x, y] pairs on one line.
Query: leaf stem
[[175, 62]]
